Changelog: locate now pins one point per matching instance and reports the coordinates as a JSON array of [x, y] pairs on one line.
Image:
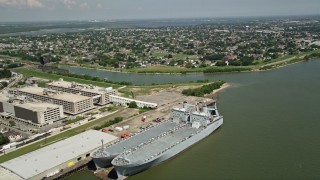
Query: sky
[[65, 10]]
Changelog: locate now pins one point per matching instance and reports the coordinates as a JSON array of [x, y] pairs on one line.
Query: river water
[[271, 128]]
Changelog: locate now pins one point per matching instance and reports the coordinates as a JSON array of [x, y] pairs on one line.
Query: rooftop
[[56, 154], [81, 87], [34, 106], [128, 99]]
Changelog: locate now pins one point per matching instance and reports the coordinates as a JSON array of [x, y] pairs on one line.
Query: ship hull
[[103, 162], [131, 169], [103, 159]]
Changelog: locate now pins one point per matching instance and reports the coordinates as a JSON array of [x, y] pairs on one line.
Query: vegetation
[[227, 69], [312, 55], [109, 123], [5, 73], [42, 84], [93, 78], [144, 109], [3, 84], [133, 104], [206, 89], [103, 109], [55, 77], [3, 139], [12, 123], [78, 118], [112, 108]]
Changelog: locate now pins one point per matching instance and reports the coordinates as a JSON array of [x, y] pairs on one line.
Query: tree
[[3, 84], [3, 139], [221, 63], [172, 63], [188, 65], [12, 123], [133, 104], [5, 73], [246, 61]]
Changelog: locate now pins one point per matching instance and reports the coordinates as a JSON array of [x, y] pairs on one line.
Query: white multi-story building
[[126, 101], [72, 103], [37, 114], [100, 95]]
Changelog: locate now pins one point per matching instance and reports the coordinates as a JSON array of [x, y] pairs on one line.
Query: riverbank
[[217, 91]]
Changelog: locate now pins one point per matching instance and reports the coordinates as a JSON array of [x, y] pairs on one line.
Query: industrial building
[[54, 158], [126, 101], [100, 95], [72, 103], [37, 114]]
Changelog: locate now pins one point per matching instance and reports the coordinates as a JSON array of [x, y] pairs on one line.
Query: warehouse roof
[[53, 94], [39, 161], [80, 87]]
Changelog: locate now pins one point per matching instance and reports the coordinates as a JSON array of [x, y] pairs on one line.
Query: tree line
[[205, 89], [5, 73]]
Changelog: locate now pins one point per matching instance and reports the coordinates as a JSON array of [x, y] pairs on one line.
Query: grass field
[[35, 73]]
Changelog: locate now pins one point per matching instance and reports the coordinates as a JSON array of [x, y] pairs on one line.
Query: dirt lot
[[166, 100]]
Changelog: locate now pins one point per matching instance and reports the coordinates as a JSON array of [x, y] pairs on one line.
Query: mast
[[101, 147]]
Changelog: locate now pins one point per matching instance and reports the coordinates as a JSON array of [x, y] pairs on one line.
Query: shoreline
[[216, 92], [254, 69], [286, 62]]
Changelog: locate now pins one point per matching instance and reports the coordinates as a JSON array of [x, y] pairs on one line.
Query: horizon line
[[161, 18]]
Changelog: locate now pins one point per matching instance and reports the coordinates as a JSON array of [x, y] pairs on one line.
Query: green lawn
[[50, 140], [40, 74], [158, 54]]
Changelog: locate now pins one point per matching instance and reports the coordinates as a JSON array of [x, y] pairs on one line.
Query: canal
[[270, 131]]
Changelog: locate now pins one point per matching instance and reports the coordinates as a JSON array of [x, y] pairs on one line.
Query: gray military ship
[[103, 156], [191, 126]]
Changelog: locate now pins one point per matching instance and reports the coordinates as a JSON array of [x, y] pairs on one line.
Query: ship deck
[[134, 141], [158, 146]]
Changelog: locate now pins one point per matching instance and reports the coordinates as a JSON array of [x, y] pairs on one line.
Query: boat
[[190, 127], [103, 156]]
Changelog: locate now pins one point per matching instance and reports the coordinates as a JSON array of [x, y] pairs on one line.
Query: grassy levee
[[50, 140], [163, 69], [40, 74]]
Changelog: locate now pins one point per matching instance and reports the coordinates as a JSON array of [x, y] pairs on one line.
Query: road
[[280, 62]]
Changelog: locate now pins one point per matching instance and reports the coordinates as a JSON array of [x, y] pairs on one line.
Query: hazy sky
[[43, 10]]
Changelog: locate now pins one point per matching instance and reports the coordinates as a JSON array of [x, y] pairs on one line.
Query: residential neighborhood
[[209, 44]]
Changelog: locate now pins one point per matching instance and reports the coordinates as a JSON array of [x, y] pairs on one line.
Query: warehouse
[[100, 95], [54, 158], [72, 103]]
